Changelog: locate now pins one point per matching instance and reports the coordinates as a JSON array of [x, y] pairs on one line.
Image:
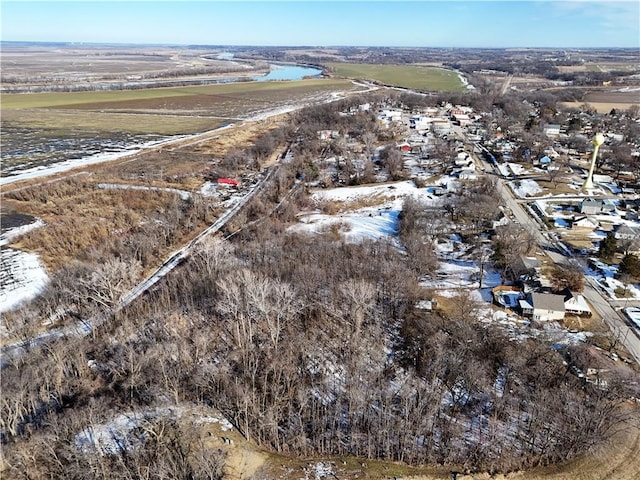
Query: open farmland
[[408, 76], [44, 128], [606, 98]]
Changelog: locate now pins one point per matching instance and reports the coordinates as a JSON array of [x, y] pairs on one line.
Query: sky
[[427, 23]]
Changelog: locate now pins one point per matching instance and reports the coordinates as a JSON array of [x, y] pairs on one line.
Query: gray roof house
[[626, 232], [592, 206], [543, 306]]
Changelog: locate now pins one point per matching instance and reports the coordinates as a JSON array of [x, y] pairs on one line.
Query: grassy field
[[409, 76]]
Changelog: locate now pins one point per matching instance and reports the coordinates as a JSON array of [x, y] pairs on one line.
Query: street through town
[[620, 331]]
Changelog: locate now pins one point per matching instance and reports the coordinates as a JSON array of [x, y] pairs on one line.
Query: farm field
[[45, 128], [408, 76], [604, 101]]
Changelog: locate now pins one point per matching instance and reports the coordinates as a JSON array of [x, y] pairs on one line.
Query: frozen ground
[[183, 194], [66, 165], [126, 432], [22, 278], [10, 235], [379, 219], [525, 188]]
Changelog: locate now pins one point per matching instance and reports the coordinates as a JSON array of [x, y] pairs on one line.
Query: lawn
[[410, 76]]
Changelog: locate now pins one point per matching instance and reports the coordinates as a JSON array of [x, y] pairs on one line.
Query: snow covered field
[[379, 219], [22, 276]]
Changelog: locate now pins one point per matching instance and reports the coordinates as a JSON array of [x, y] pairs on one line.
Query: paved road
[[618, 325]]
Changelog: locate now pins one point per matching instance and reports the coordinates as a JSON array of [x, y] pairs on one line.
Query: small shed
[[229, 182]]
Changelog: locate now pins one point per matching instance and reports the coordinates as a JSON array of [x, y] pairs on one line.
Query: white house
[[543, 306], [441, 125], [584, 222], [626, 232], [551, 130], [576, 304], [592, 206]]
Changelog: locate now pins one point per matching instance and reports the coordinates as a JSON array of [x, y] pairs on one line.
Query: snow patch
[[22, 278]]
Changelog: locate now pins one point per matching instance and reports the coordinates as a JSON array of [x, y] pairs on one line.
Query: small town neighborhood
[[548, 185]]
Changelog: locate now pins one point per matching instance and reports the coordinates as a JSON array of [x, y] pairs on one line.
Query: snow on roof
[[576, 303], [524, 304], [634, 315]]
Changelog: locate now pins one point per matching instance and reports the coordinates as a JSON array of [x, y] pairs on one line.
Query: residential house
[[584, 222], [404, 147], [599, 178], [529, 266], [328, 134], [543, 306], [461, 119], [227, 182], [592, 206], [551, 130], [420, 122], [467, 175], [576, 304], [544, 161], [441, 126], [627, 232]]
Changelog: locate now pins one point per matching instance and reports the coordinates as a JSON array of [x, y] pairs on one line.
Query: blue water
[[288, 72]]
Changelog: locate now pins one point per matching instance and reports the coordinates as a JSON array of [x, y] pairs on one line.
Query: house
[[543, 306], [420, 122], [404, 147], [441, 126], [626, 232], [529, 266], [576, 304], [592, 206], [584, 222], [551, 130], [328, 134], [461, 119], [599, 178], [467, 175]]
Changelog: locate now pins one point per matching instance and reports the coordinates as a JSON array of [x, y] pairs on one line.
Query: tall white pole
[[597, 141]]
